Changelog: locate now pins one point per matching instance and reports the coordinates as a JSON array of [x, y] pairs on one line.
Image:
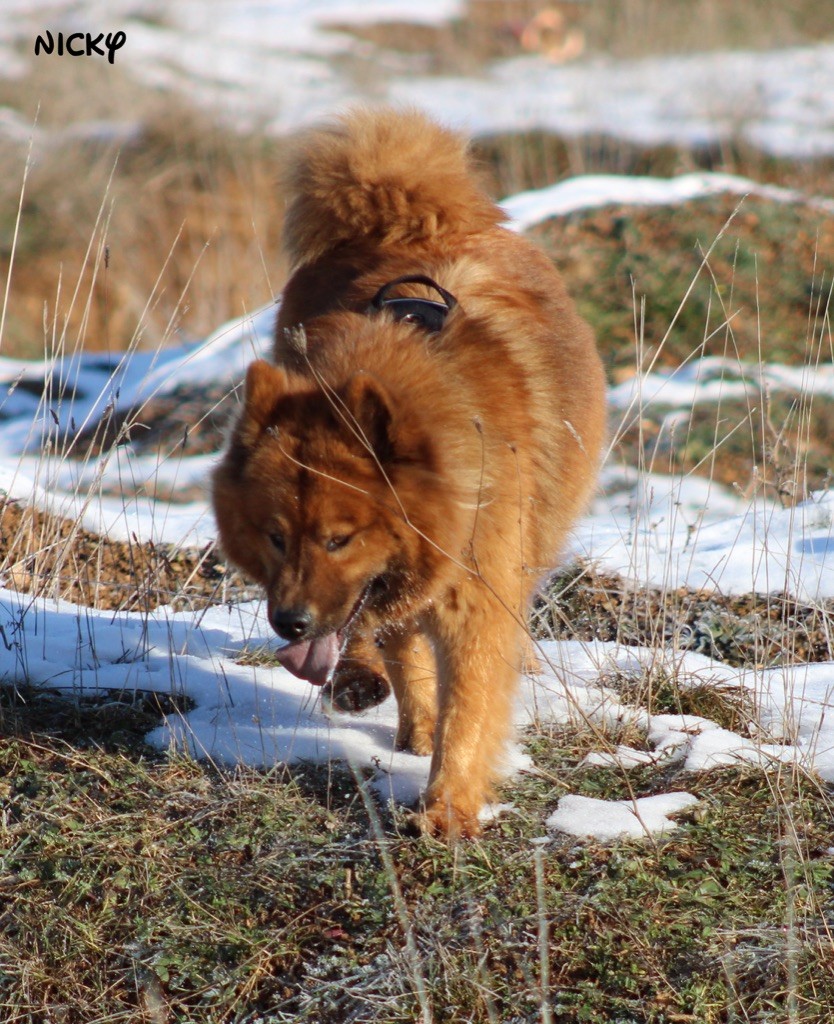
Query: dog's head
[[309, 503]]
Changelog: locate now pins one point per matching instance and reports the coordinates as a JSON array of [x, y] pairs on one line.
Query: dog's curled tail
[[390, 176]]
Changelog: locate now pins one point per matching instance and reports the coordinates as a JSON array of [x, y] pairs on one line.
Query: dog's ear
[[369, 411], [265, 384]]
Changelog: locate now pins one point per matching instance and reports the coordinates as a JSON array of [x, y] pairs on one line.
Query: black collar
[[428, 314]]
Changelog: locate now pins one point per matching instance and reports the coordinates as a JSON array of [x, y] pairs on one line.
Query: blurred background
[[139, 199]]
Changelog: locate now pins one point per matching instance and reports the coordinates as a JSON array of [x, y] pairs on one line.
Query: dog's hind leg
[[411, 669], [530, 662]]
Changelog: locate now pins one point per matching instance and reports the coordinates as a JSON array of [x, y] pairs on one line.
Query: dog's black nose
[[291, 623]]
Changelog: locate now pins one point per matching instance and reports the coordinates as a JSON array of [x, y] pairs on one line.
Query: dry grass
[[164, 891], [141, 887], [139, 237], [488, 30]]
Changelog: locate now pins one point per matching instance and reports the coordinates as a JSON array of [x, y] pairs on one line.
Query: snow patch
[[591, 191], [617, 819]]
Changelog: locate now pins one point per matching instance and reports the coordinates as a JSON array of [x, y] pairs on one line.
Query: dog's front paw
[[355, 688], [444, 821], [416, 735]]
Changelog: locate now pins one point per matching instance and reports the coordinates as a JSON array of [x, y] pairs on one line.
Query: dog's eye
[[278, 542], [337, 541]]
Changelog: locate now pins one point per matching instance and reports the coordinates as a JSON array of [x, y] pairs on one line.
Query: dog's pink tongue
[[313, 660]]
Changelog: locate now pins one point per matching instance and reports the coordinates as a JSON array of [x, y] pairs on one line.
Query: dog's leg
[[359, 681], [411, 669], [478, 640], [530, 662]]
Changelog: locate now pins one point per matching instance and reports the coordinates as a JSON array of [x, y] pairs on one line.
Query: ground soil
[[43, 555], [760, 630]]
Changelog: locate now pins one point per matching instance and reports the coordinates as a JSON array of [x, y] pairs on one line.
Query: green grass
[[138, 884], [762, 293]]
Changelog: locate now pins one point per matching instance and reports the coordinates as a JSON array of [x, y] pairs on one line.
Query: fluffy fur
[[399, 494]]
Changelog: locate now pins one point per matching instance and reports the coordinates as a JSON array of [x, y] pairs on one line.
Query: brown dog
[[410, 468]]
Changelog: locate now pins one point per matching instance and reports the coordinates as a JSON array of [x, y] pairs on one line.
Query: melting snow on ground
[[652, 529], [278, 65], [615, 819]]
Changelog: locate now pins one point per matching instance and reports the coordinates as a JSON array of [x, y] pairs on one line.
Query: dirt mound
[[44, 555], [188, 420], [760, 630]]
